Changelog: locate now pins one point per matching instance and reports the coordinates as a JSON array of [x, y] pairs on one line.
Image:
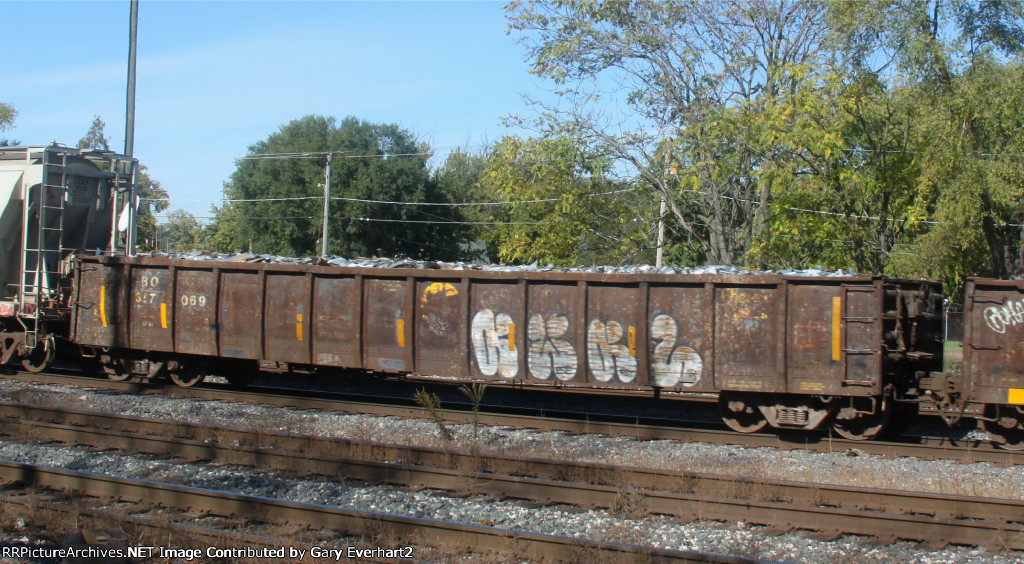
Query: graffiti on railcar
[[494, 343], [998, 318], [438, 315], [550, 354], [672, 365], [611, 351]]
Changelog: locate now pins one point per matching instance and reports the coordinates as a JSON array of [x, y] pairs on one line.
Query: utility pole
[[661, 234], [129, 123], [672, 170], [327, 205]]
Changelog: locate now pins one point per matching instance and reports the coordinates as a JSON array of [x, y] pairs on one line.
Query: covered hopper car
[[54, 201]]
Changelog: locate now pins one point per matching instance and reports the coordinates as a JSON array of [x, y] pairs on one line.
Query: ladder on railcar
[[43, 245]]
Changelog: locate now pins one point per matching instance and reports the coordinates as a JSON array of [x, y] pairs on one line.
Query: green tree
[[181, 232], [153, 199], [459, 181], [7, 117], [224, 233], [711, 92], [560, 207], [378, 174], [927, 111], [974, 164], [878, 135], [94, 139], [862, 196]]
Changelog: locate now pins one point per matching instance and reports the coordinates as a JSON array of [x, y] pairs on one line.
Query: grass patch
[[952, 356]]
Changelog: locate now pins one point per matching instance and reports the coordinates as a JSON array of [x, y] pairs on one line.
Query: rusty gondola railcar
[[990, 386], [793, 352]]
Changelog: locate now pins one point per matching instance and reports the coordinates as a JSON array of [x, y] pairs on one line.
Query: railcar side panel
[[994, 341], [555, 336], [496, 336], [286, 320], [615, 334], [814, 347], [746, 338], [679, 343], [195, 311], [337, 307], [151, 320], [387, 328], [99, 314], [441, 313], [240, 314]]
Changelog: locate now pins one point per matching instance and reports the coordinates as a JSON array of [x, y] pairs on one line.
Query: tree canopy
[[180, 232], [7, 117], [95, 139], [881, 135], [559, 207], [713, 101], [380, 188]]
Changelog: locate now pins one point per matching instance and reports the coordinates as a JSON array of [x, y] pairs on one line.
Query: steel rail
[[475, 538], [159, 525], [927, 448], [886, 514]]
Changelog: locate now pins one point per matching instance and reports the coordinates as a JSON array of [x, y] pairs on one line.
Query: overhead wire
[[387, 202], [341, 154], [368, 219]]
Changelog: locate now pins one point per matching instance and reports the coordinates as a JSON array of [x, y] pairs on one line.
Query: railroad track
[[473, 539], [148, 531], [927, 448], [832, 510]]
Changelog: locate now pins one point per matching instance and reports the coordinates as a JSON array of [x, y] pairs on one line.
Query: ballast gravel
[[625, 524]]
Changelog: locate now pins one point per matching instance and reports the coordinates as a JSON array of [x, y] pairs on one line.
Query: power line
[[164, 216], [462, 204], [370, 219], [319, 154], [388, 202]]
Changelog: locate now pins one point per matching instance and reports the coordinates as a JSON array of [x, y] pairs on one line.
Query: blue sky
[[215, 77]]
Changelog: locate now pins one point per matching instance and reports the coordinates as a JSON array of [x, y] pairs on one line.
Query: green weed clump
[[432, 403]]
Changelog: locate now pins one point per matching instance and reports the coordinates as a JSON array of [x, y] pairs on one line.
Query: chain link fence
[[953, 348]]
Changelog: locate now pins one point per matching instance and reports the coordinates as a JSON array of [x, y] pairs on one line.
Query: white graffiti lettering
[[436, 324], [609, 357], [998, 318], [493, 338], [672, 365], [550, 354]]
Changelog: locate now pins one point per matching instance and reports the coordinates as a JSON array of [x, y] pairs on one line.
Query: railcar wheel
[[40, 358], [116, 373], [740, 412], [862, 426], [113, 367], [187, 378], [1007, 429]]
